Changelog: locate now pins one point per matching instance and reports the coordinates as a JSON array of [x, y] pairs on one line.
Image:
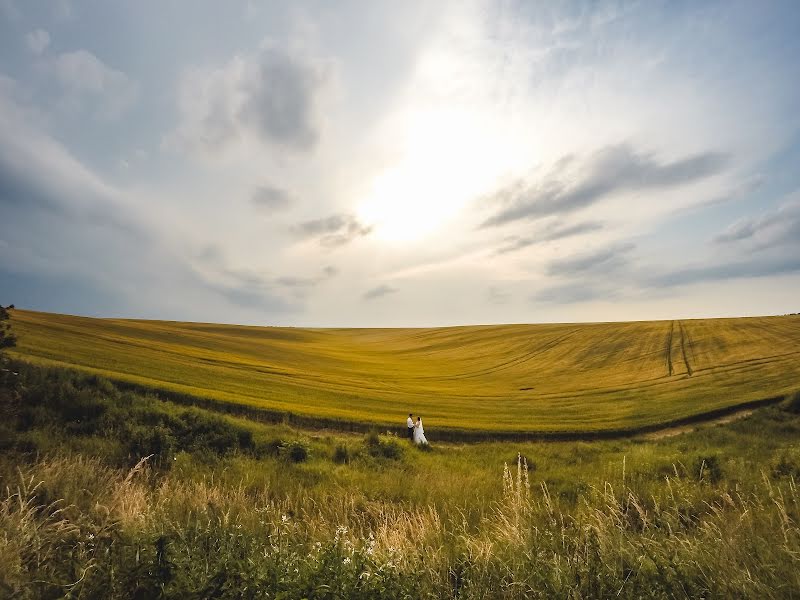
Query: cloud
[[85, 78], [272, 97], [37, 41], [548, 234], [602, 261], [619, 168], [742, 269], [250, 288], [297, 282], [778, 227], [572, 293], [379, 292], [495, 295], [63, 224], [333, 231], [250, 292], [271, 198]]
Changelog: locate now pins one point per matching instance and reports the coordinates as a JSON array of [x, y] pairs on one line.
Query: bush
[[708, 468], [382, 447], [146, 441], [267, 448], [341, 454], [294, 451], [793, 403], [787, 464]]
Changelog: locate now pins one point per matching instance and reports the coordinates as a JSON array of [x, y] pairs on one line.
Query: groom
[[410, 423]]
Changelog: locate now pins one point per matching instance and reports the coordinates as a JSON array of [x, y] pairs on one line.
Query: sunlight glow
[[450, 158]]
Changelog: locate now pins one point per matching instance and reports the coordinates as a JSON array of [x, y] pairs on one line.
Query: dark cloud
[[572, 293], [336, 230], [379, 292], [271, 198], [25, 196], [19, 190], [599, 262], [731, 270], [71, 294], [549, 234], [613, 169], [280, 98], [272, 96]]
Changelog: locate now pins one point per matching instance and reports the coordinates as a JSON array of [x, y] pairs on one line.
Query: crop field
[[583, 377]]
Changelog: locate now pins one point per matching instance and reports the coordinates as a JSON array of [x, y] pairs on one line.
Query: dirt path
[[673, 431]]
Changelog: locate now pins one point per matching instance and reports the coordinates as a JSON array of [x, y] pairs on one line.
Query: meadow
[[110, 493], [551, 379]]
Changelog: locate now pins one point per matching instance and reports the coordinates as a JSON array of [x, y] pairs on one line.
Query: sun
[[449, 159]]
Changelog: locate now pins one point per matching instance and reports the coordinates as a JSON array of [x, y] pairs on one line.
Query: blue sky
[[371, 164]]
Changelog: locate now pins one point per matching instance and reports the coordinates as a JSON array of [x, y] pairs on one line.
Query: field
[[565, 377], [503, 378]]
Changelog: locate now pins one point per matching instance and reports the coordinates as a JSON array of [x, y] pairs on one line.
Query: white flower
[[346, 560], [284, 518]]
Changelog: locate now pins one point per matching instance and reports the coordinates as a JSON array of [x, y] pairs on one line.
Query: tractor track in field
[[668, 349], [684, 335], [548, 345]]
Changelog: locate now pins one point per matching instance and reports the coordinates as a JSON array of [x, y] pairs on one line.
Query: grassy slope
[[563, 377]]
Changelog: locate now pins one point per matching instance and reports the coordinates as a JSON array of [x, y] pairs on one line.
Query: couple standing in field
[[415, 431]]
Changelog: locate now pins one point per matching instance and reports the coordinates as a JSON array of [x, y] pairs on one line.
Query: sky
[[394, 164]]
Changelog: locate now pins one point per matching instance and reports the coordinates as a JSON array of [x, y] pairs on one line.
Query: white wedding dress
[[419, 434]]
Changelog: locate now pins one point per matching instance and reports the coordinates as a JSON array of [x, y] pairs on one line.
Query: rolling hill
[[582, 377]]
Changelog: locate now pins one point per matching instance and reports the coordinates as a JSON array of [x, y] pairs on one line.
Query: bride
[[419, 433]]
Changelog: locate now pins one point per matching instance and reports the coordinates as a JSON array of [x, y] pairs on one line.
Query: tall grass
[[71, 526]]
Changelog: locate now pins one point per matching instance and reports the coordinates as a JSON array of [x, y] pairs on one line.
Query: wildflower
[[346, 560], [284, 518]]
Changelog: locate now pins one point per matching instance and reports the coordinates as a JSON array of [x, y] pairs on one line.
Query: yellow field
[[512, 378]]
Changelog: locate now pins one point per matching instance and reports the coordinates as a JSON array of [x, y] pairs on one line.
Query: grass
[[223, 509], [561, 378]]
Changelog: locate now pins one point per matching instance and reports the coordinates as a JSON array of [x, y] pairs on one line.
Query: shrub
[[267, 448], [382, 447], [341, 454], [793, 403], [708, 468], [787, 464], [156, 442], [295, 451]]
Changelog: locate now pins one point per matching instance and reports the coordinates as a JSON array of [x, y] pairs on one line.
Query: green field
[[583, 377]]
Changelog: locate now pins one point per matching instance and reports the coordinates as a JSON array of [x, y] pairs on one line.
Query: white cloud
[[86, 78], [38, 40]]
